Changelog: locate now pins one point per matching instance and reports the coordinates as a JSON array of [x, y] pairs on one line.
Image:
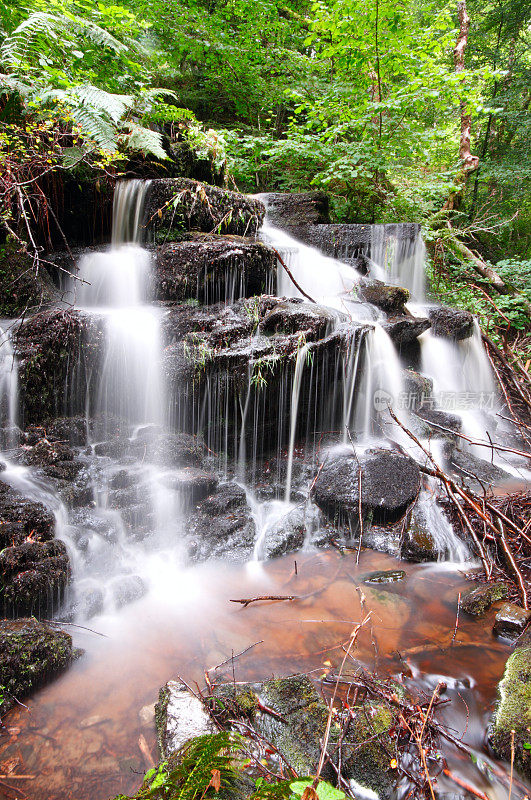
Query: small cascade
[[399, 258], [8, 389], [128, 210]]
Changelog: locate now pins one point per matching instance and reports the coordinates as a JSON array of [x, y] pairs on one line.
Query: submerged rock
[[390, 482], [213, 269], [451, 323], [175, 206], [513, 712], [31, 653]]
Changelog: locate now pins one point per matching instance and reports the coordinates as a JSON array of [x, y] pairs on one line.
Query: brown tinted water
[[85, 736]]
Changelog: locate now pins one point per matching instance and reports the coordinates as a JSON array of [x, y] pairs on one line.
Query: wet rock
[[22, 519], [297, 208], [476, 471], [390, 299], [31, 653], [244, 357], [366, 748], [222, 526], [440, 420], [479, 600], [33, 577], [192, 484], [511, 620], [180, 716], [348, 241], [294, 316], [213, 269], [21, 288], [513, 712], [127, 589], [64, 430], [390, 482], [403, 329], [385, 576], [53, 377], [452, 323], [89, 604], [186, 205], [285, 536], [418, 545], [417, 388]]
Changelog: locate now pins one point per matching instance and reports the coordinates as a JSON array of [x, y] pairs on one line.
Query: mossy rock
[[21, 287], [31, 653], [479, 600], [513, 712], [366, 748]]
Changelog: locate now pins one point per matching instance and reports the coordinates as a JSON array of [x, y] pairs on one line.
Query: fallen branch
[[245, 601], [292, 279]]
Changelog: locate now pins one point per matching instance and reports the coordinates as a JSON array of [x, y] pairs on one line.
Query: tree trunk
[[469, 162]]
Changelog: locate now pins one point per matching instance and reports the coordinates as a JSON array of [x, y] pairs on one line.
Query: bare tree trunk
[[469, 162]]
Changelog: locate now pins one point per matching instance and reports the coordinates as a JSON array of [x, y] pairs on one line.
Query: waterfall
[[398, 258], [8, 388]]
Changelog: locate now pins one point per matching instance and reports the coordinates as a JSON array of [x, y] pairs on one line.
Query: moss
[[480, 599], [367, 747], [30, 654], [513, 711]]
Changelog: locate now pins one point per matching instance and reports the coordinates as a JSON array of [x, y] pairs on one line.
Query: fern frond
[[24, 39], [140, 138], [100, 36], [10, 84], [94, 126], [113, 105]]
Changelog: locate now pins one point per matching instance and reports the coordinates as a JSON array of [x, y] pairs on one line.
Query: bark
[[469, 162]]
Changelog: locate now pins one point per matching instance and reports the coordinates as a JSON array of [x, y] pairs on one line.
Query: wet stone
[[385, 576], [510, 621], [479, 600], [180, 716], [451, 323], [390, 299], [31, 653]]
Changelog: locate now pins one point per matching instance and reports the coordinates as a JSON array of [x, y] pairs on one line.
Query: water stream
[[85, 736]]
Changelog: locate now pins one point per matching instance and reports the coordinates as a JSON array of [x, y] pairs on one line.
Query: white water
[[399, 259]]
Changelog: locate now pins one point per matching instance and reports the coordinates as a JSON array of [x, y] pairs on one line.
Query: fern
[[188, 776], [144, 139], [111, 105]]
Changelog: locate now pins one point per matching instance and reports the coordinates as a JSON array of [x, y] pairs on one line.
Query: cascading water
[[399, 258], [8, 388]]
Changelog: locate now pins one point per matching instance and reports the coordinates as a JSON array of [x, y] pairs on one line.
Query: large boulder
[[31, 653], [53, 376], [390, 482], [451, 323], [213, 269], [175, 206]]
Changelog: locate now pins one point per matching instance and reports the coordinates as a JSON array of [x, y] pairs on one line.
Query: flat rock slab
[[180, 716]]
